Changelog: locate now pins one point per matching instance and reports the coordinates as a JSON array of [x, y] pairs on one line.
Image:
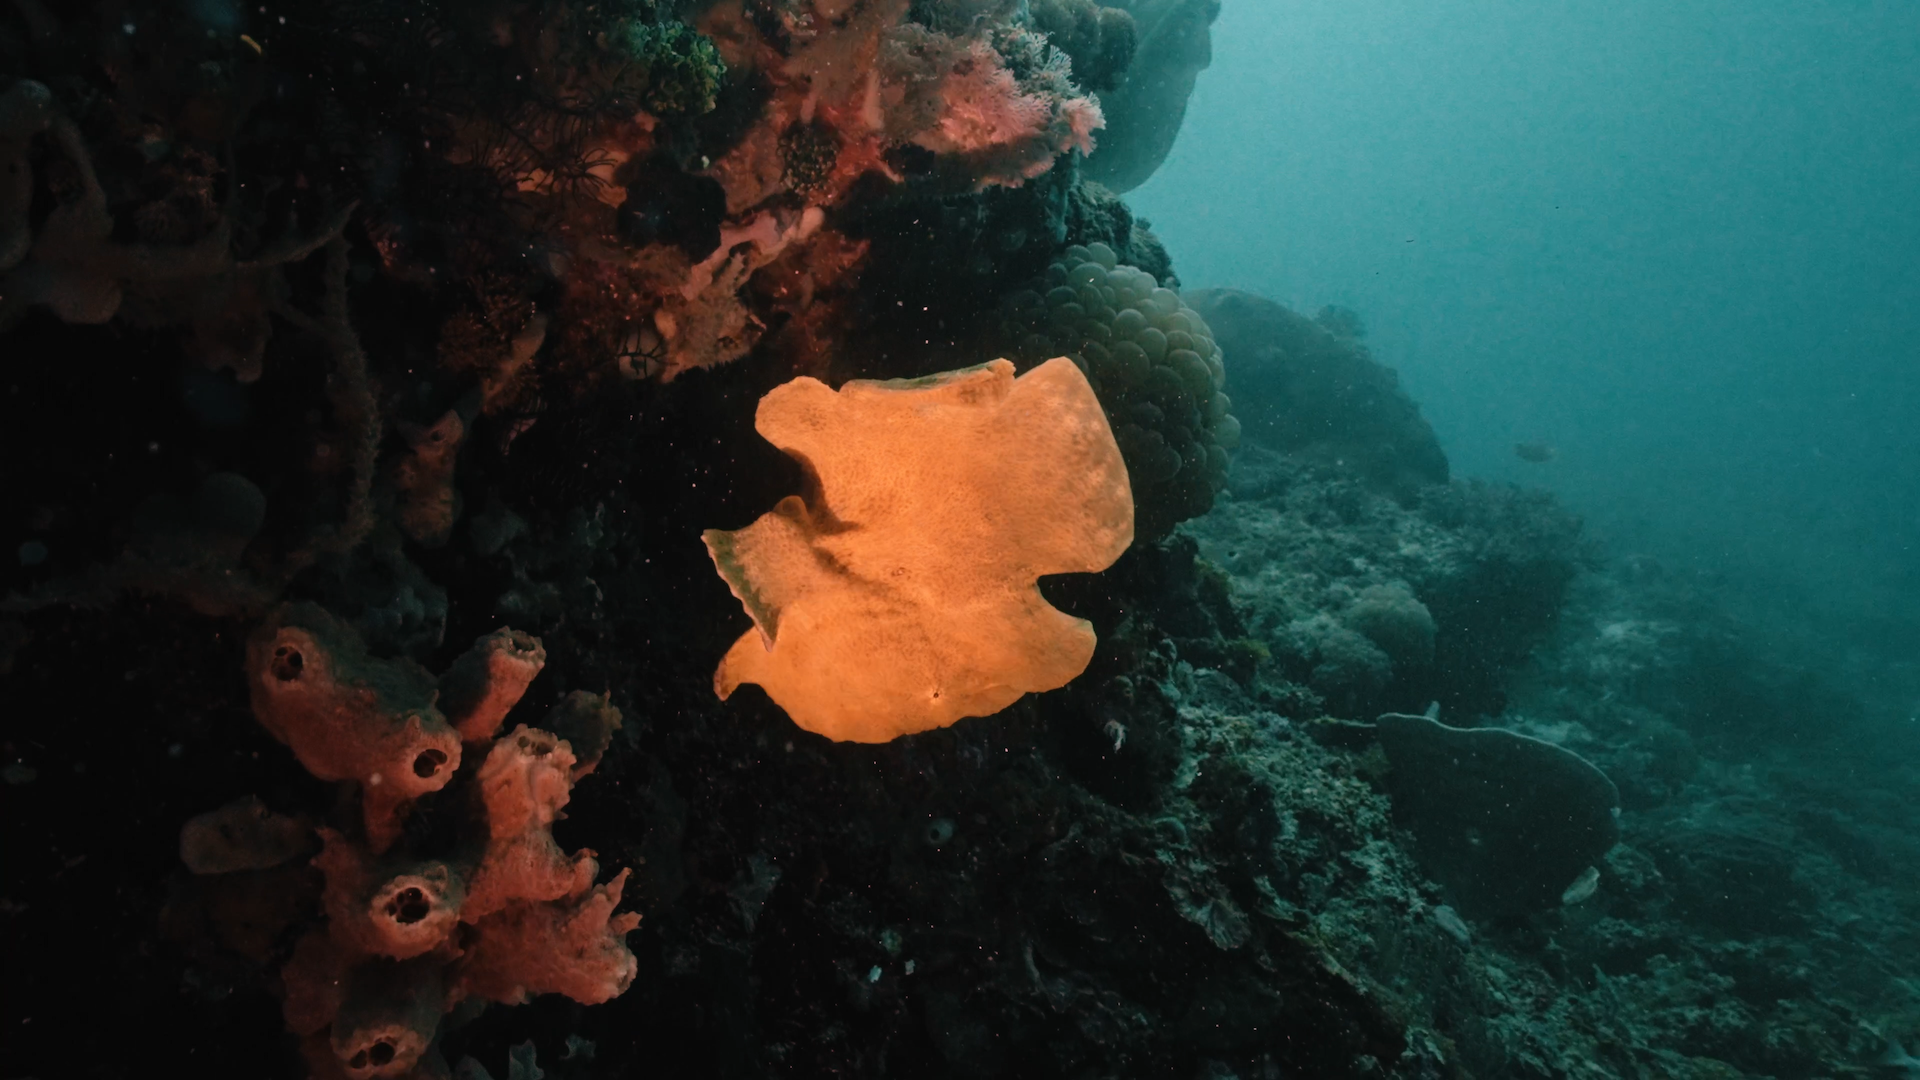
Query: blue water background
[[1678, 242]]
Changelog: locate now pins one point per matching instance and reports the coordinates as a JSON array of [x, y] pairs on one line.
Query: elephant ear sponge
[[901, 594]]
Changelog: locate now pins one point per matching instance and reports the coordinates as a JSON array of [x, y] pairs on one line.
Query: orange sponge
[[900, 594]]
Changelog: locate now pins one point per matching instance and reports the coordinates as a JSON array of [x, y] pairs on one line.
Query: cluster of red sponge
[[417, 929]]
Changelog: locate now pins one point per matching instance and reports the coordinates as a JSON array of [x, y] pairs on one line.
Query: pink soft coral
[[959, 98], [1083, 117], [985, 107]]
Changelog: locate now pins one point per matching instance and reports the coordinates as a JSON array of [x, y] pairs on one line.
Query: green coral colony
[[682, 67]]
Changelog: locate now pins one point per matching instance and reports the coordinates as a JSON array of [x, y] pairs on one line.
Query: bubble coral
[[1152, 361]]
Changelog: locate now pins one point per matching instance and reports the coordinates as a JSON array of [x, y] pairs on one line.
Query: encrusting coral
[[899, 594], [413, 927]]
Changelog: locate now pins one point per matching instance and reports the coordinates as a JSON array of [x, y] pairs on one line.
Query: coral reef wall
[[369, 373]]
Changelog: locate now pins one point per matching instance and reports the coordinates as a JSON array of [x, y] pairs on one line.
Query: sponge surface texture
[[900, 594]]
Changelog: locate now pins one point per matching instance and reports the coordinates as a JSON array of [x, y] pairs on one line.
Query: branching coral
[[900, 594], [415, 927]]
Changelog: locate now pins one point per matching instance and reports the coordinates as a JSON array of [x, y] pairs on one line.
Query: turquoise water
[[1674, 242], [1659, 260]]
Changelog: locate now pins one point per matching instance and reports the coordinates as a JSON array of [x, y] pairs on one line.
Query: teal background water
[[1680, 243]]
